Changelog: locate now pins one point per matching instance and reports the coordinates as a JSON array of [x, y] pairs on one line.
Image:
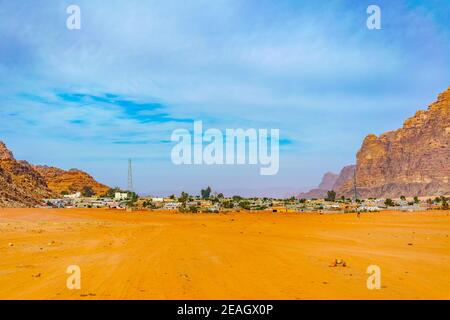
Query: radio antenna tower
[[130, 176], [354, 185]]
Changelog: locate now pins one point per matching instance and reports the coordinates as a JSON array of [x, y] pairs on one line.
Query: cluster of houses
[[121, 200], [76, 200]]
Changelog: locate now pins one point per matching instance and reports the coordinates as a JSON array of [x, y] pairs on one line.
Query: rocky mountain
[[20, 184], [313, 194], [320, 192], [70, 181], [345, 176], [25, 185], [328, 181], [411, 161]]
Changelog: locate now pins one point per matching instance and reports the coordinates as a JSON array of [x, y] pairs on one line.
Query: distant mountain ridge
[[25, 185], [330, 181]]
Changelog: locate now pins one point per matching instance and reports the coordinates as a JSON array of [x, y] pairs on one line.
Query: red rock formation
[[25, 185], [70, 181], [5, 153], [20, 184], [345, 176], [412, 161]]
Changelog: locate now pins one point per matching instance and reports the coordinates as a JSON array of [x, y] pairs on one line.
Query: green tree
[[112, 192], [403, 198], [132, 197], [183, 198], [206, 193], [416, 199], [87, 192], [389, 203], [331, 195], [64, 193]]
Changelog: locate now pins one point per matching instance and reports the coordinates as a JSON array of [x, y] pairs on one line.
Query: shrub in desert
[[245, 204], [193, 209], [445, 205]]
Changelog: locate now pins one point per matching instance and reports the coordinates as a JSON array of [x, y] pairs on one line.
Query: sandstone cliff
[[346, 176], [412, 161], [25, 185], [70, 181], [20, 184]]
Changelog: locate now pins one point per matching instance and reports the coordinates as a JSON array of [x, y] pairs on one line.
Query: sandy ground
[[222, 256]]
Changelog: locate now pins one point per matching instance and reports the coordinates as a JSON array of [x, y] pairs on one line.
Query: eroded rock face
[[70, 181], [25, 185], [5, 154], [20, 184], [412, 161], [345, 177], [328, 181]]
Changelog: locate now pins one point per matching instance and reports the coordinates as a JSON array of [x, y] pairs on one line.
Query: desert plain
[[240, 255]]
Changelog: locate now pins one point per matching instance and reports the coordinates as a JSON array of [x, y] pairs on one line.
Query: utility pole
[[354, 185], [130, 176]]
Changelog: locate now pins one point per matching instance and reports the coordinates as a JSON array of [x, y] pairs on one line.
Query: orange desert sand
[[154, 255]]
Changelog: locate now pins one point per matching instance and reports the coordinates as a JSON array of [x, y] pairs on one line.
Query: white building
[[120, 196], [368, 208], [172, 205], [73, 196]]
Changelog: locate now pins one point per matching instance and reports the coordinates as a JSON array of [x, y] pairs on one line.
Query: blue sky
[[136, 71]]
